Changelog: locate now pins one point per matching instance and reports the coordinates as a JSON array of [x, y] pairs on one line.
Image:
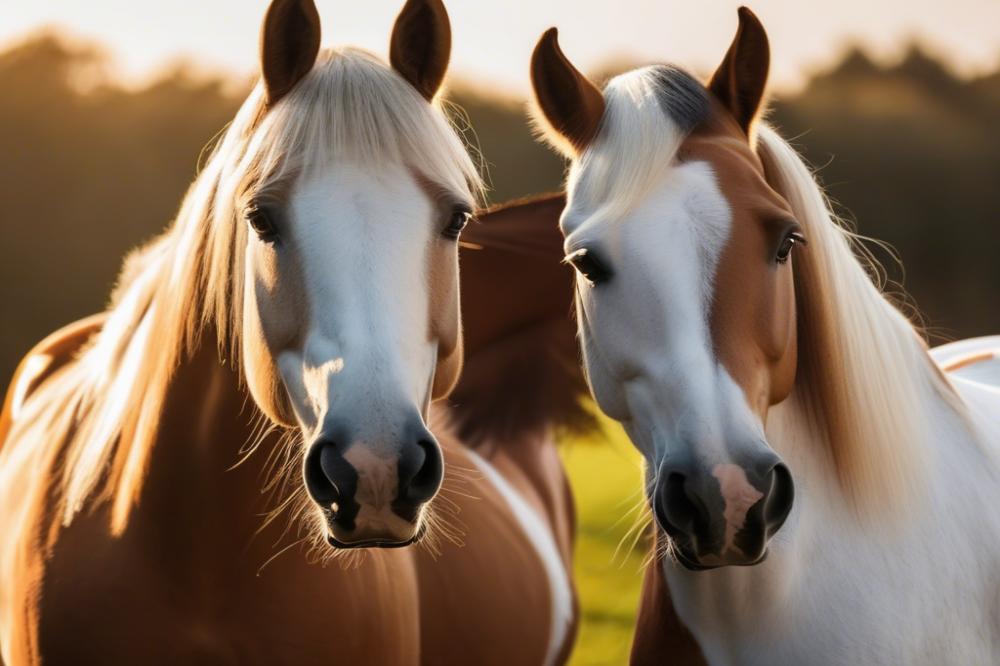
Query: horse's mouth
[[365, 526], [713, 562], [334, 542]]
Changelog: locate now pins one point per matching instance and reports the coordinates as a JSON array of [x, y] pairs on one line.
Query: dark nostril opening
[[766, 517], [676, 510], [320, 488], [421, 469], [329, 478], [780, 499]]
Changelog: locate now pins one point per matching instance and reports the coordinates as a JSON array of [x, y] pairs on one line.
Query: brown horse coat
[[194, 578]]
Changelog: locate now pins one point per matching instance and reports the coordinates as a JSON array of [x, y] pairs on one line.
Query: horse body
[[192, 579], [181, 584]]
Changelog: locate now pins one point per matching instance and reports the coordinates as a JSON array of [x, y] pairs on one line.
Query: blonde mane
[[648, 114], [636, 143], [84, 437], [865, 379]]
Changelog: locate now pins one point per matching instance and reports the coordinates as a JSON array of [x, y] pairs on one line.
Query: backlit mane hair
[[864, 378], [98, 417], [647, 115]]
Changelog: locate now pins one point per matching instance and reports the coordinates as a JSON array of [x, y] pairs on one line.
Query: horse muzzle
[[371, 499], [723, 514]]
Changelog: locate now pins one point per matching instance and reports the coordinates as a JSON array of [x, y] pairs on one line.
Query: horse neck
[[191, 493], [799, 440]]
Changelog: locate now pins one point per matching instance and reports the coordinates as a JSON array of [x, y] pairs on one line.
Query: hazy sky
[[493, 38]]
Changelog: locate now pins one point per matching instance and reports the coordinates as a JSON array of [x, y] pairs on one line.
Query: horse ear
[[289, 43], [421, 45], [739, 81], [572, 105]]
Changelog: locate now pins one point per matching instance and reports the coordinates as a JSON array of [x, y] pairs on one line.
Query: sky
[[493, 39]]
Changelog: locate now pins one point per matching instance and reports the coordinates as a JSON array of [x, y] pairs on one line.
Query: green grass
[[605, 472]]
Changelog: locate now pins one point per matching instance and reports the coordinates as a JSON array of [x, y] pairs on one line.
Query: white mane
[[636, 144], [865, 378]]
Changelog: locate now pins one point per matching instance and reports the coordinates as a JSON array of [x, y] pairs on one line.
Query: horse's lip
[[376, 543], [692, 565]]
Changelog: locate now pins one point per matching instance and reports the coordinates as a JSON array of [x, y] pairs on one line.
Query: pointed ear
[[739, 82], [289, 43], [421, 45], [572, 105]]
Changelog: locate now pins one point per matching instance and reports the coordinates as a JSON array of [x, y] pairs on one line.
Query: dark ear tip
[[548, 45], [435, 6], [307, 7], [548, 40], [747, 17]]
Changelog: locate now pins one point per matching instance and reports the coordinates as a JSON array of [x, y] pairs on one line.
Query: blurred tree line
[[89, 169]]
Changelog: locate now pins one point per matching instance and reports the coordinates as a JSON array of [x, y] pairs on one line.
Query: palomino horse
[[305, 300], [727, 322]]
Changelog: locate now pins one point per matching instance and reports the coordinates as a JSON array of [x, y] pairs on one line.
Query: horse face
[[355, 299], [685, 293], [351, 315]]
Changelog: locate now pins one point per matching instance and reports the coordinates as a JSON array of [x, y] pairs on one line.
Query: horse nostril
[[420, 472], [678, 510], [329, 478], [778, 502]]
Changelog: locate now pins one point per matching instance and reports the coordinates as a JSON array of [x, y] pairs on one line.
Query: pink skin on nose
[[377, 477], [738, 495], [378, 484]]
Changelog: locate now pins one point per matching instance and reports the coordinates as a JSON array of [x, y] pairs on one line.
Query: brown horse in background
[[141, 449]]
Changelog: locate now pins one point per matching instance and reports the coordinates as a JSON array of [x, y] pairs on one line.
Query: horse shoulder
[[55, 351]]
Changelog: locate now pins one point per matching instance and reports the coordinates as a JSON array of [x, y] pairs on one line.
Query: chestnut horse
[[733, 328], [304, 308]]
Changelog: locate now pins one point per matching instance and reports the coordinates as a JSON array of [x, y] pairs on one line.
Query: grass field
[[605, 472]]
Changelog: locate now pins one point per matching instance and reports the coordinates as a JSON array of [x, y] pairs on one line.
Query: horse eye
[[787, 243], [589, 266], [260, 221], [456, 223]]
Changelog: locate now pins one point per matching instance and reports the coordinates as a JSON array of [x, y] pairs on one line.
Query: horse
[[266, 393], [735, 328]]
